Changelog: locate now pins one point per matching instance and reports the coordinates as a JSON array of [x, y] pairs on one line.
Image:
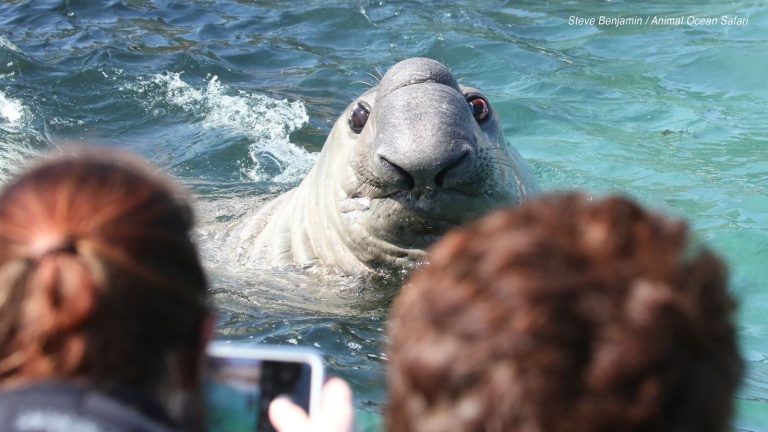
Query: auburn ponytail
[[98, 275]]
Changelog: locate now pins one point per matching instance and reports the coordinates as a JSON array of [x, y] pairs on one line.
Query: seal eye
[[359, 117], [480, 108]]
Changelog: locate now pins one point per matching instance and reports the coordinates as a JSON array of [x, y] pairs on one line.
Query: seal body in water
[[408, 160]]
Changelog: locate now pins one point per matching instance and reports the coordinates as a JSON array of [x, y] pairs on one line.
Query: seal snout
[[435, 176], [424, 129]]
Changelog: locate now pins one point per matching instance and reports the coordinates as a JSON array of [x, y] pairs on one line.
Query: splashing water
[[265, 121], [11, 112], [16, 136]]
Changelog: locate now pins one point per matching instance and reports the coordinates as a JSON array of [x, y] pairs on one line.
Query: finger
[[286, 416], [337, 410]]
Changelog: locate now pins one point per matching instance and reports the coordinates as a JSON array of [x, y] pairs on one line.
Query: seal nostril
[[440, 177], [405, 180]]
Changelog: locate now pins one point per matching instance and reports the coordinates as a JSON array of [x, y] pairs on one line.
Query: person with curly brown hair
[[564, 314]]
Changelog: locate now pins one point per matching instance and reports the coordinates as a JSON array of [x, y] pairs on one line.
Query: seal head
[[408, 160]]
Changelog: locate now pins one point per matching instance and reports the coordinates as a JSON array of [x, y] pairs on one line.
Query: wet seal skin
[[409, 159]]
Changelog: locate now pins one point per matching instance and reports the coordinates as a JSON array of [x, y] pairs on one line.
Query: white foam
[[5, 43], [12, 112], [17, 139], [267, 122]]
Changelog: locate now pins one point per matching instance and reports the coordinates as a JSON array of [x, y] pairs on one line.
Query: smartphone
[[240, 383]]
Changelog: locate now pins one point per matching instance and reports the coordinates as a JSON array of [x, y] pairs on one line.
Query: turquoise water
[[236, 97]]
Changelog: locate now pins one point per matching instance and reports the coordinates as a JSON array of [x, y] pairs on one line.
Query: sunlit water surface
[[236, 98]]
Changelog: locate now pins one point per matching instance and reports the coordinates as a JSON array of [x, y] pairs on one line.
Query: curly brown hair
[[565, 314]]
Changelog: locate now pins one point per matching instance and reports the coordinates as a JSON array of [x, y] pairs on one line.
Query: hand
[[336, 413]]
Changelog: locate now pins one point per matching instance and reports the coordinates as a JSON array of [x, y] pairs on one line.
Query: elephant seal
[[411, 158]]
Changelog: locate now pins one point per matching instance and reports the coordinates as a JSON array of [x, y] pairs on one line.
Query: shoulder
[[59, 407]]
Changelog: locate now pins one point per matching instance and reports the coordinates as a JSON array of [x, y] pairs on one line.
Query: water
[[236, 97]]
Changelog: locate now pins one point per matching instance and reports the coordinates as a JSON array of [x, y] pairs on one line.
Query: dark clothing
[[56, 406]]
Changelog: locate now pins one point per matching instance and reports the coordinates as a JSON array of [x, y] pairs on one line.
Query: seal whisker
[[356, 173], [495, 159], [501, 163], [381, 75], [354, 181], [377, 79], [459, 78], [366, 83], [359, 180]]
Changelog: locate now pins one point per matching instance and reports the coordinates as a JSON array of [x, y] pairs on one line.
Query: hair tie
[[67, 245]]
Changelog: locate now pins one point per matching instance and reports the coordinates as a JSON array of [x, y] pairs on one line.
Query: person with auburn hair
[[102, 297], [564, 314]]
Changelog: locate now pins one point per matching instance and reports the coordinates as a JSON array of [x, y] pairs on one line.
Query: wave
[[266, 122], [5, 43], [17, 139]]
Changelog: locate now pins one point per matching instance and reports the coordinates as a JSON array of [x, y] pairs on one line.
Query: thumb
[[337, 413], [286, 416]]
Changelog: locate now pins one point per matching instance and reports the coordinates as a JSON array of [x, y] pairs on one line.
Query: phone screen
[[239, 390]]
